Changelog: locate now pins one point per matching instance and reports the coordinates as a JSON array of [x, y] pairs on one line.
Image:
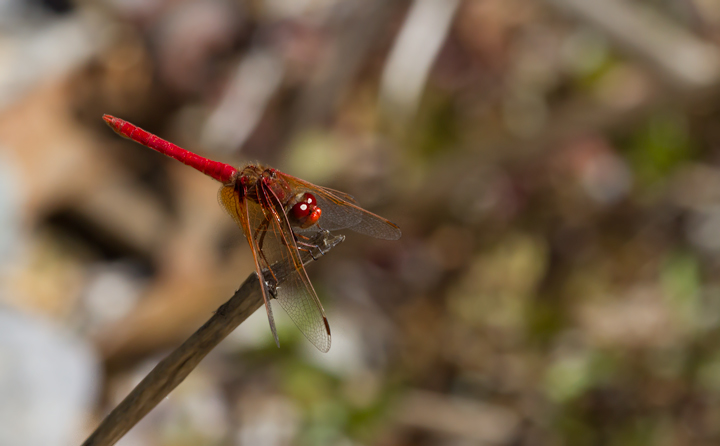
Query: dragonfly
[[279, 215]]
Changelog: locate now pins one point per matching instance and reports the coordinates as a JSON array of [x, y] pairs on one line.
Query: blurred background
[[554, 166]]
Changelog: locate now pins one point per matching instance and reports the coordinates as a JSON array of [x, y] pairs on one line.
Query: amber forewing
[[238, 209]]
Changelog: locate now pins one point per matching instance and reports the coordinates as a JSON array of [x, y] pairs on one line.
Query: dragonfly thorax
[[256, 181]]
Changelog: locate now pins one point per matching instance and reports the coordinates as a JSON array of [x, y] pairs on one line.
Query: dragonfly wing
[[340, 194], [298, 299], [340, 211], [250, 221], [294, 292]]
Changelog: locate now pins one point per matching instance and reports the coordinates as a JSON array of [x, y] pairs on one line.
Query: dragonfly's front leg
[[305, 244]]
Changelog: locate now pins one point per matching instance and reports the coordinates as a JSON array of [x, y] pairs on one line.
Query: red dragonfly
[[279, 214]]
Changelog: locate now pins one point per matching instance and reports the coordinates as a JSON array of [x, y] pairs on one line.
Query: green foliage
[[437, 128], [330, 411], [659, 146], [680, 278]]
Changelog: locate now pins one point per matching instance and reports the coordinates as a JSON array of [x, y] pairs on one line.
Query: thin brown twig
[[172, 370]]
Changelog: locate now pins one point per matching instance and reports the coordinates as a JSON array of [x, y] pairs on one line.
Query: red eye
[[300, 211], [305, 212]]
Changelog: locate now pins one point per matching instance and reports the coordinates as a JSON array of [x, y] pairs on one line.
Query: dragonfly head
[[304, 211]]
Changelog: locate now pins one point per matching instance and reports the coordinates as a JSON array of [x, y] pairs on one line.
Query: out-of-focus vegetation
[[554, 166]]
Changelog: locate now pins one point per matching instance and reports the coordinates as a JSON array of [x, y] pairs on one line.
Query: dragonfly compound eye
[[305, 212]]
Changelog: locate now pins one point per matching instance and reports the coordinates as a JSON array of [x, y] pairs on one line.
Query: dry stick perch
[[172, 370]]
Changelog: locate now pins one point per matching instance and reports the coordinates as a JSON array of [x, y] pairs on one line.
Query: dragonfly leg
[[302, 246], [308, 246]]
